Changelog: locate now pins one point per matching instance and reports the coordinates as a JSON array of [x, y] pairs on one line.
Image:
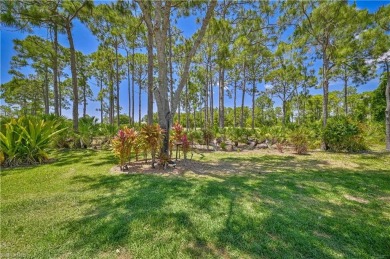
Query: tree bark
[[75, 109]]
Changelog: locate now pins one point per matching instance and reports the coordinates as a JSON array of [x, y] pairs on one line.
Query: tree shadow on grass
[[284, 208]]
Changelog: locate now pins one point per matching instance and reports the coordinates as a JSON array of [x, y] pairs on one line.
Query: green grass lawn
[[230, 205]]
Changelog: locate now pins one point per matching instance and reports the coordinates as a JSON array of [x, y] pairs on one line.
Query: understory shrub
[[343, 134], [299, 138], [207, 136]]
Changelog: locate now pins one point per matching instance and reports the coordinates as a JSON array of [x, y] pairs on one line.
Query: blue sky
[[87, 43]]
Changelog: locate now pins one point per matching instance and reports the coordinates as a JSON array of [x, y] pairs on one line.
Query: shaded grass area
[[229, 205]]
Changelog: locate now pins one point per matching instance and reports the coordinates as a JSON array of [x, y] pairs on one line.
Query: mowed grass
[[227, 205]]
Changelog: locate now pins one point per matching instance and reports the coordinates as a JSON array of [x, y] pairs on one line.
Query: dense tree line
[[290, 46]]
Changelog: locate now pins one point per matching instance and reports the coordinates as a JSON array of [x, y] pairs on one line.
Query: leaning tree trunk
[[345, 92], [75, 110]]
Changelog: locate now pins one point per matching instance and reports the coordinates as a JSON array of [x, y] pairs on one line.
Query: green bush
[[25, 140], [195, 136], [343, 134], [207, 136], [235, 135], [299, 138]]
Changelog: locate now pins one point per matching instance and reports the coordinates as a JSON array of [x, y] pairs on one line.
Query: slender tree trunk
[[253, 102], [387, 111], [59, 95], [101, 100], [284, 112], [75, 110], [194, 117], [235, 104], [111, 102], [170, 70], [211, 98], [132, 86], [325, 88], [221, 97], [129, 86], [139, 94], [178, 112], [55, 71], [206, 98], [187, 110], [117, 82], [150, 76], [345, 92], [243, 98], [284, 109], [46, 91], [84, 100]]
